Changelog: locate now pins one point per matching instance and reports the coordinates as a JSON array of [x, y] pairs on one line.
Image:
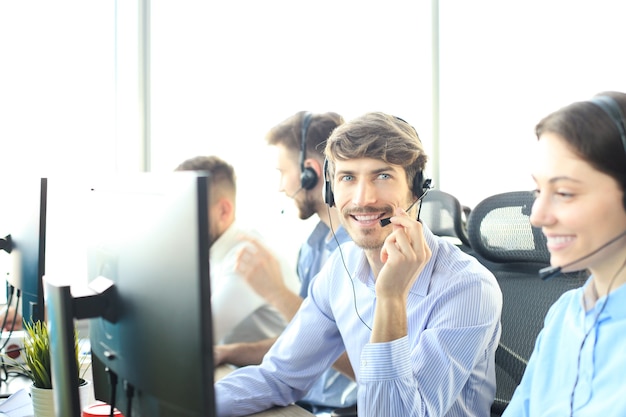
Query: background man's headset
[[308, 176]]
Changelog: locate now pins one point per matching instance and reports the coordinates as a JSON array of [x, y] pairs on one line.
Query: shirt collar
[[320, 232], [615, 302], [223, 244]]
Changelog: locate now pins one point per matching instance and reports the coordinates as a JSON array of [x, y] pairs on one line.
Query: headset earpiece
[[421, 185], [613, 110], [308, 176], [329, 197]]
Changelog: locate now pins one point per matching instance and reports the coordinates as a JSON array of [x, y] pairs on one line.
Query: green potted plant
[[37, 355], [36, 366]]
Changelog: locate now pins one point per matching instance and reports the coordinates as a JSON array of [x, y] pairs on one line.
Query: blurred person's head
[[300, 140], [222, 191]]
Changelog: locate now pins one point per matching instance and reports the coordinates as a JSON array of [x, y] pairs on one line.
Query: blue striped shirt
[[443, 367]]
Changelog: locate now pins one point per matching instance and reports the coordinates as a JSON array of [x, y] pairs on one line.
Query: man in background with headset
[[299, 142], [418, 318]]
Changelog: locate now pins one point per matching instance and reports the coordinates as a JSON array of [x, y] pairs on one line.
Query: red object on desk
[[100, 409]]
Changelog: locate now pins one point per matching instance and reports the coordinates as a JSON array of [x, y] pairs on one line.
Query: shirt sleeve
[[288, 370], [230, 286]]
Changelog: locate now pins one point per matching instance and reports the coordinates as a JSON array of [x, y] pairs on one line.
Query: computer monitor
[[23, 236], [148, 261]]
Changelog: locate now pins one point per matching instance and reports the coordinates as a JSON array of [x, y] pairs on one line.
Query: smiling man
[[418, 318]]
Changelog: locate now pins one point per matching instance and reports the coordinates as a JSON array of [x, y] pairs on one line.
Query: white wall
[[56, 87], [507, 64], [224, 72], [57, 95]]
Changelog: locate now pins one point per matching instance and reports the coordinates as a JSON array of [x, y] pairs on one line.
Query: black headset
[[421, 184], [613, 110], [329, 197], [308, 176]]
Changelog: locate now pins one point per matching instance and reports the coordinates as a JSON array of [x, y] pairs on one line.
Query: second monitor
[[148, 235]]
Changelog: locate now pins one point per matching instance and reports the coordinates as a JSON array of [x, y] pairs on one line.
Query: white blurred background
[[473, 77]]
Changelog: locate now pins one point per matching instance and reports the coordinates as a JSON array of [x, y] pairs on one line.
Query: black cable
[[4, 372], [6, 340], [17, 307], [343, 261], [588, 332], [130, 392], [113, 388], [11, 290], [7, 368], [421, 199]]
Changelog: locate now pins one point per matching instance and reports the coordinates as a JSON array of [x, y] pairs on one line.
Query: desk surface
[[289, 411], [16, 383]]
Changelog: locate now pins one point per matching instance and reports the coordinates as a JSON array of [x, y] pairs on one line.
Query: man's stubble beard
[[306, 207]]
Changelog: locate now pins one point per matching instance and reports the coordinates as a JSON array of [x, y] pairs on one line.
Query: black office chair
[[503, 239], [446, 217], [350, 411]]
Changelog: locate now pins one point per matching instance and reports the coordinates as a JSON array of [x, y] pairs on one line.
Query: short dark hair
[[288, 132], [223, 179], [591, 134]]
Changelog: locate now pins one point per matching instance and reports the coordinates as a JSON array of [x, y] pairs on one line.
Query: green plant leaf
[[37, 355]]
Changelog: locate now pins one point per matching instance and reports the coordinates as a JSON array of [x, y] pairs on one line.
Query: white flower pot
[[43, 399]]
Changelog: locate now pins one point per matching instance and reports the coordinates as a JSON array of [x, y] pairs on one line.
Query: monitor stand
[[63, 308]]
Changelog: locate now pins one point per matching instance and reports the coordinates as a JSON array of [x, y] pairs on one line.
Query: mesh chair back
[[502, 237], [445, 217]]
